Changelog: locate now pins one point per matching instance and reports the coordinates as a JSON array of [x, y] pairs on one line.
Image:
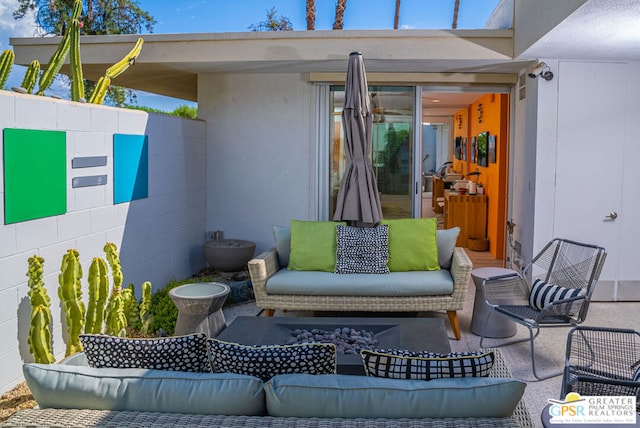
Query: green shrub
[[163, 311]]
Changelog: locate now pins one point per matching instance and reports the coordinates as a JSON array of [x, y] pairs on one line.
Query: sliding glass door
[[393, 148]]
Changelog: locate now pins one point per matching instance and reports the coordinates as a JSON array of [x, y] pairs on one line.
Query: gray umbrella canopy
[[358, 199]]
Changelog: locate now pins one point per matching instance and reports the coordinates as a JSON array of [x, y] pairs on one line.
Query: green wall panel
[[35, 174]]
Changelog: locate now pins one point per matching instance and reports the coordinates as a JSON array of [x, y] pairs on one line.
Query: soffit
[[170, 63], [600, 30]]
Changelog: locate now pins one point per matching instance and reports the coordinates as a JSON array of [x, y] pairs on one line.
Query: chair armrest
[[509, 289], [261, 268], [461, 267]]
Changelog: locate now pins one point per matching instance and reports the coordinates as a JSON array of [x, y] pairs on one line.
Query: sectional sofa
[[72, 394], [426, 271]]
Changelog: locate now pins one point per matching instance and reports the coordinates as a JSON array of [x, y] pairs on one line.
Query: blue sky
[[216, 16]]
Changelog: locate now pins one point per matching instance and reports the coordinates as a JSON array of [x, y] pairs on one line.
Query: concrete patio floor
[[550, 344]]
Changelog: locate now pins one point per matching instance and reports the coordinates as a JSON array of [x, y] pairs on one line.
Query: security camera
[[537, 69], [541, 70]]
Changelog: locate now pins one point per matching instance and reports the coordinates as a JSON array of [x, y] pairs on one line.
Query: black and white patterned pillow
[[543, 293], [403, 364], [181, 353], [267, 361], [362, 249]]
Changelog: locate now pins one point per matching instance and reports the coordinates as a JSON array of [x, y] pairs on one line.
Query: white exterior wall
[[575, 148], [261, 153], [159, 238]]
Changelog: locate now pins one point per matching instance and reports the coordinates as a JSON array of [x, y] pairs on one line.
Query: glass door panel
[[392, 156]]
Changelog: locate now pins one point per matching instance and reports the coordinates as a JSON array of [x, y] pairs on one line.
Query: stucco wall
[[574, 155], [159, 237], [261, 153]]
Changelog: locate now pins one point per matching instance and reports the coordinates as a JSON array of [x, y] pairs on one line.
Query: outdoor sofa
[[443, 288], [73, 394]]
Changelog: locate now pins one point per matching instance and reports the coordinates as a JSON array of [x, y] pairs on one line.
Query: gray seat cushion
[[313, 283]]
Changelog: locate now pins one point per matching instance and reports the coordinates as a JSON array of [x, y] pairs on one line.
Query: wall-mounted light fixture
[[541, 70]]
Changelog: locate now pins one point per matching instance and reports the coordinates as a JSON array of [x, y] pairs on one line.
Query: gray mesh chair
[[572, 266], [602, 361]]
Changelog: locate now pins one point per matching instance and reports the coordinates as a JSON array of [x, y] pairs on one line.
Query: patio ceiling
[[170, 63]]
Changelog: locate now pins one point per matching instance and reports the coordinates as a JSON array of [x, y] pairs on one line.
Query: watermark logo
[[576, 409]]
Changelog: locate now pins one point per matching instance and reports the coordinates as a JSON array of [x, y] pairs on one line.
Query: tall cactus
[[70, 294], [114, 71], [31, 76], [145, 307], [58, 57], [40, 331], [115, 318], [98, 293], [77, 82], [6, 62]]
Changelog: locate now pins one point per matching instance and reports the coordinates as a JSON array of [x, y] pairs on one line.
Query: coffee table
[[415, 334]]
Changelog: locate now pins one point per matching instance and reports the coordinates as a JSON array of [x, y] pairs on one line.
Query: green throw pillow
[[313, 245], [412, 244]]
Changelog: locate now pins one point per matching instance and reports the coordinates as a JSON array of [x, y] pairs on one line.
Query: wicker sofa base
[[108, 418], [265, 265]]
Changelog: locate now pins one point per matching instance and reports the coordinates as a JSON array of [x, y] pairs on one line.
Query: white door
[[591, 161]]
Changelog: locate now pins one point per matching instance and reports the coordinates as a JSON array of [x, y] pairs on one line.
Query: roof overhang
[[170, 63]]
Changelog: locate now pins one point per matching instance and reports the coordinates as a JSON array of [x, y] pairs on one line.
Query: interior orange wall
[[495, 111]]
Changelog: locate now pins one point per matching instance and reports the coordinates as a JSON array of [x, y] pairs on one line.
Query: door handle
[[612, 216]]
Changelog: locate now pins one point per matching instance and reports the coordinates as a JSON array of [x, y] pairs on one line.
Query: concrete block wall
[[159, 238]]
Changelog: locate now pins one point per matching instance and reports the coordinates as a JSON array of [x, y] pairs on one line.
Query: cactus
[[77, 82], [129, 59], [145, 308], [131, 309], [6, 62], [58, 57], [98, 292], [114, 71], [115, 318], [40, 331], [31, 76], [70, 294], [100, 91]]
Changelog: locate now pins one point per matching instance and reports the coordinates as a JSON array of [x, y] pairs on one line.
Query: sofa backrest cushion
[[267, 361], [313, 245], [412, 244], [181, 353], [345, 396], [66, 386], [446, 239], [282, 237]]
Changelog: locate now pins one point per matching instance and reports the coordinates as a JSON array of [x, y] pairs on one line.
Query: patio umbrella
[[358, 200]]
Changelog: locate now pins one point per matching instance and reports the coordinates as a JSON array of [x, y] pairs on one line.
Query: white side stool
[[200, 307], [495, 326]]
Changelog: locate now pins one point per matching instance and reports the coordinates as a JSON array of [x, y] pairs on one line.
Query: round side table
[[495, 326], [200, 307]]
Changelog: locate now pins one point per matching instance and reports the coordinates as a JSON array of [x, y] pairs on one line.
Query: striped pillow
[[636, 373], [542, 294]]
